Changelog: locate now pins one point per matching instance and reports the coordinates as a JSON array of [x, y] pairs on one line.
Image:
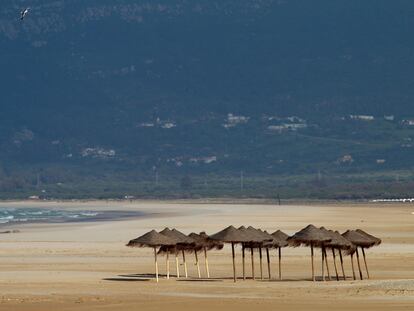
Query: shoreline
[[124, 210], [204, 201], [102, 216]]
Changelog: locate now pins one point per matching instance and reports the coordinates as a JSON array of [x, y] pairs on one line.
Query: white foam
[[6, 219]]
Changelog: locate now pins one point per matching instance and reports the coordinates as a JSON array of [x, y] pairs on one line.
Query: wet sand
[[86, 266]]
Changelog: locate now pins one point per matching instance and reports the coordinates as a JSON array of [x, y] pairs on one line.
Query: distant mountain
[[268, 87]]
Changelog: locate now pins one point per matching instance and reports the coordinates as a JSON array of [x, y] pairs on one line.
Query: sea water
[[24, 215]]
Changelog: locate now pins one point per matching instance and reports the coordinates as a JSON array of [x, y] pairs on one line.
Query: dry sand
[[86, 266]]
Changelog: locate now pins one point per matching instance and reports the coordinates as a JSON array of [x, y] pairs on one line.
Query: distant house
[[362, 117], [295, 119], [233, 120], [98, 153], [409, 122], [205, 160], [296, 126], [346, 159], [158, 123], [168, 125], [287, 127], [146, 124]]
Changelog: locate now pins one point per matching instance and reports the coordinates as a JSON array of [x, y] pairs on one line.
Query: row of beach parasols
[[173, 243]]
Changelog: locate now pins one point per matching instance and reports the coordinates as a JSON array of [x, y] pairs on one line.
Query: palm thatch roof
[[373, 238], [183, 242], [264, 236], [257, 237], [202, 240], [280, 239], [180, 237], [309, 235], [358, 239], [151, 239], [268, 240], [337, 240], [231, 235]]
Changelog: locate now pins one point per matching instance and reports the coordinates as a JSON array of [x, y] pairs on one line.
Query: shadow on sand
[[143, 277], [199, 280], [125, 279], [140, 275]]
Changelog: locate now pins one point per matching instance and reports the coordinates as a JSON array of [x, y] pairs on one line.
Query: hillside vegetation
[[107, 98]]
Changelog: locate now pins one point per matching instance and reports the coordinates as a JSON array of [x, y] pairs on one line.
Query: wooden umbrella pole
[[185, 265], [244, 262], [234, 262], [177, 266], [323, 264], [280, 263], [327, 265], [342, 263], [352, 264], [313, 268], [252, 256], [261, 263], [334, 260], [206, 261], [168, 265], [268, 263], [197, 264], [156, 263], [365, 261], [359, 265]]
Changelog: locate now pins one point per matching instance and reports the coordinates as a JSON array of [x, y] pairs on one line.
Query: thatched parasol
[[257, 242], [339, 243], [266, 241], [280, 240], [152, 239], [255, 239], [269, 241], [203, 242], [233, 236], [263, 238], [374, 239], [363, 240], [170, 249], [310, 236], [358, 240], [183, 243]]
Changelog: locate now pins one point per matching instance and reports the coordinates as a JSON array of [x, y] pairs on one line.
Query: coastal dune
[[86, 266]]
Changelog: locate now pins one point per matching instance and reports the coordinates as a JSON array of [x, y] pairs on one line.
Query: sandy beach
[[86, 266]]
